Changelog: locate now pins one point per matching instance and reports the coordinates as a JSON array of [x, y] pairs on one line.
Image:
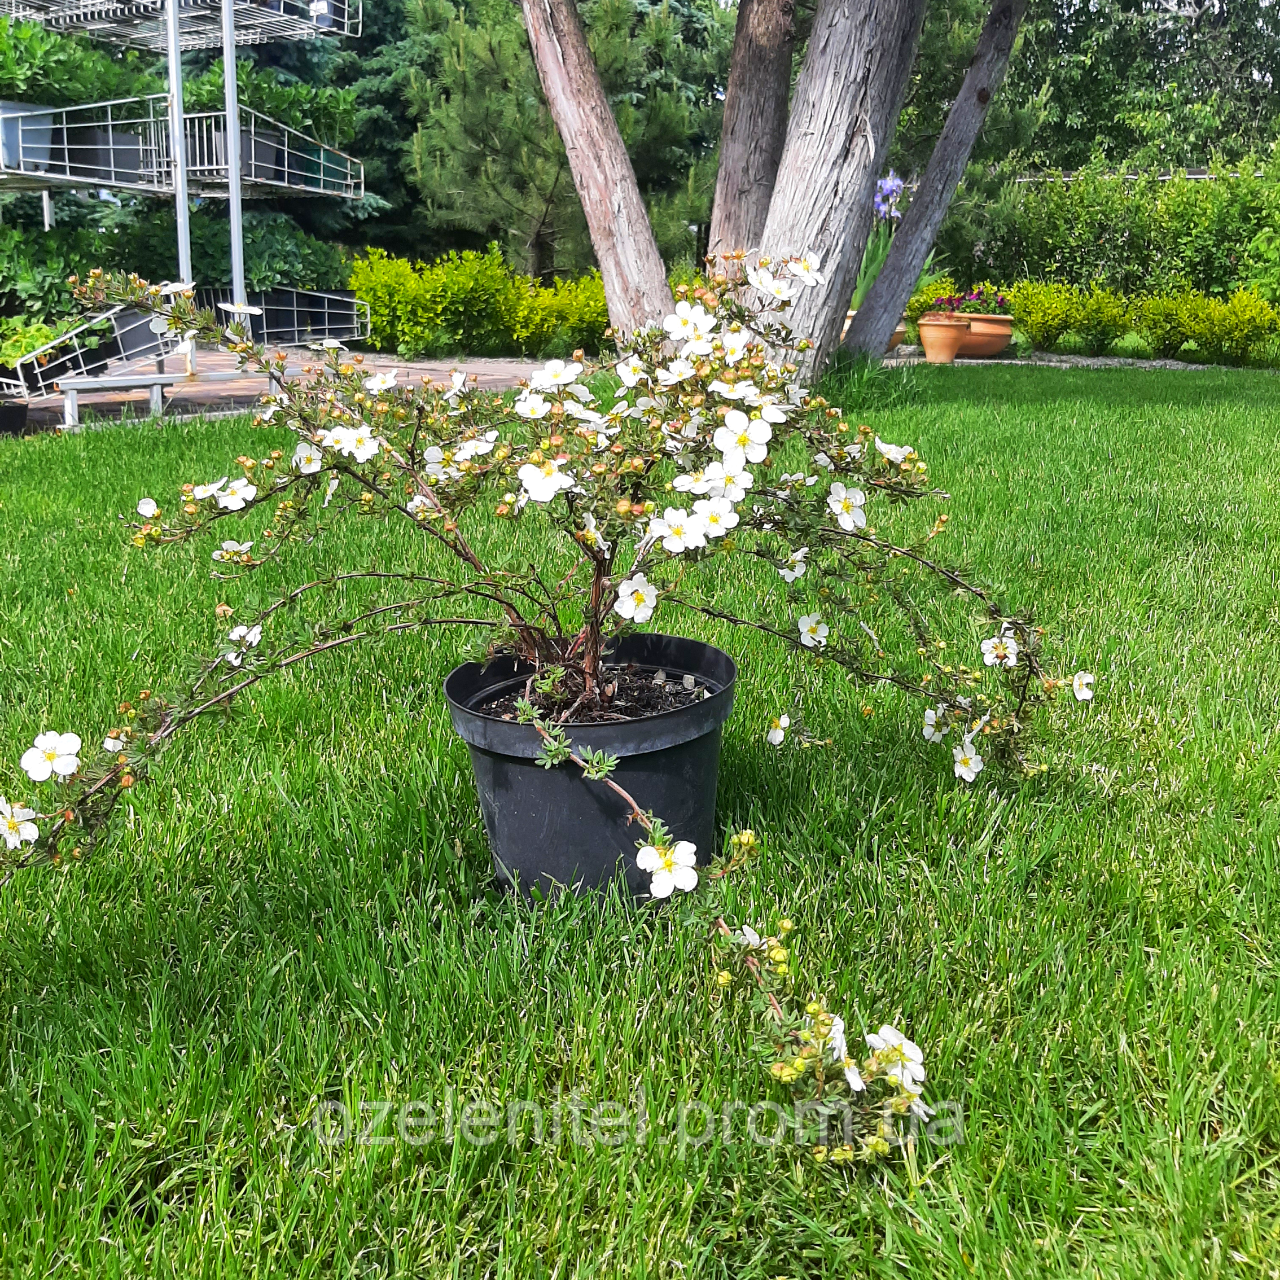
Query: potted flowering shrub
[[987, 319], [594, 741]]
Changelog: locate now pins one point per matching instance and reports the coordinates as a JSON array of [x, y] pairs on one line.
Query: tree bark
[[842, 121], [635, 279], [755, 123], [879, 314]]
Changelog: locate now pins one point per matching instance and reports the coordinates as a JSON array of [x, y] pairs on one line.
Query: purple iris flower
[[888, 192]]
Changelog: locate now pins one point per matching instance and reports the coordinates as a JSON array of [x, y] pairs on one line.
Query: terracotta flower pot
[[988, 335], [941, 335], [898, 334]]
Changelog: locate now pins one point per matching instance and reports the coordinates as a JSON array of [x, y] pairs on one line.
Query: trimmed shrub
[[1227, 332], [1099, 317], [1158, 320], [1044, 312], [472, 303], [923, 299]]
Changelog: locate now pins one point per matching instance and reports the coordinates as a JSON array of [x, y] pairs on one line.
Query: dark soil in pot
[[553, 826]]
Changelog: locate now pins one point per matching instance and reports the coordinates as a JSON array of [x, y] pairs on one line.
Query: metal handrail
[[296, 317], [115, 337]]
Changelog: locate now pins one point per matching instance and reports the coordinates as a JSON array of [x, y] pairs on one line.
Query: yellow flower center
[[50, 756], [638, 596]]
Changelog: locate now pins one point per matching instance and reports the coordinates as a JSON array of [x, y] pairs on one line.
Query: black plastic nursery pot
[[553, 826]]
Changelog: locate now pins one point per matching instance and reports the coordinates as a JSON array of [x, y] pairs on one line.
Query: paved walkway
[[241, 394]]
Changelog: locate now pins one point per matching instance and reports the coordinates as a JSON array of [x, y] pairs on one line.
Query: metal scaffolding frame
[[143, 24], [126, 144], [152, 145]]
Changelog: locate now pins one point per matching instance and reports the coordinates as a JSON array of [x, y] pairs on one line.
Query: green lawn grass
[[299, 906]]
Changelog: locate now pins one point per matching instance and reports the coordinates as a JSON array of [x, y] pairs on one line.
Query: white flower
[[239, 309], [931, 731], [236, 494], [52, 753], [846, 505], [805, 269], [672, 868], [306, 458], [678, 530], [723, 481], [795, 566], [381, 381], [688, 318], [474, 448], [1001, 650], [853, 1077], [821, 460], [332, 344], [637, 599], [1080, 683], [777, 732], [717, 515], [592, 535], [113, 745], [532, 405], [457, 385], [203, 491], [159, 324], [246, 638], [147, 508], [415, 504], [835, 1040], [895, 452], [968, 761], [778, 287], [16, 825], [331, 489], [631, 370], [356, 442], [771, 408], [735, 342], [676, 371], [555, 373], [741, 437], [542, 483], [750, 939], [813, 631], [232, 550], [902, 1056], [734, 390], [693, 481]]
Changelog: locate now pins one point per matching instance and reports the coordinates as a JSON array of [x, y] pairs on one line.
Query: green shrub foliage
[[473, 303], [1128, 234]]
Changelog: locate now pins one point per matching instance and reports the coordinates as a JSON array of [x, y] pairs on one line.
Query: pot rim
[[944, 317], [619, 737], [989, 315]]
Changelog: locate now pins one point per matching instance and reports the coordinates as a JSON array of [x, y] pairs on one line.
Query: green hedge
[[1234, 330], [1241, 329], [473, 304], [1126, 234]]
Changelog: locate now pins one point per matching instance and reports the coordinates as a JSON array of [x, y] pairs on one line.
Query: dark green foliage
[[326, 113], [486, 156], [1131, 235], [45, 67]]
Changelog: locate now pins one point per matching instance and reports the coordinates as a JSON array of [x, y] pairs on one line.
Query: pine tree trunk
[[879, 314], [755, 123], [842, 122], [635, 280]]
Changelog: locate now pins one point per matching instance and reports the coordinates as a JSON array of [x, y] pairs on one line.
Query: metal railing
[[272, 155], [114, 338], [125, 144], [297, 317], [141, 23], [122, 144]]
